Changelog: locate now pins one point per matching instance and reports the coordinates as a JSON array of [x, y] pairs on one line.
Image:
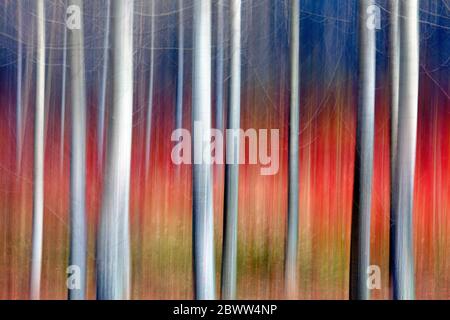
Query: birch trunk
[[290, 267], [38, 186], [360, 232], [102, 104], [63, 101], [203, 224], [19, 115], [394, 70], [219, 64], [78, 158], [148, 132], [113, 255], [403, 258], [180, 75], [229, 260]]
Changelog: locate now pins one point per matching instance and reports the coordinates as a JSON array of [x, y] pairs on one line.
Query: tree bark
[[102, 104], [180, 74], [229, 260], [362, 194], [403, 199], [78, 157], [290, 267], [113, 254], [203, 224], [394, 70], [38, 186]]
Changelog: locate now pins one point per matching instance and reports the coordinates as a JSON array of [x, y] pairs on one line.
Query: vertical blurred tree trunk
[[362, 194], [148, 130], [203, 224], [38, 180], [78, 157], [180, 74], [63, 100], [229, 259], [394, 70], [219, 64], [290, 267], [19, 115], [113, 254], [102, 104], [403, 193]]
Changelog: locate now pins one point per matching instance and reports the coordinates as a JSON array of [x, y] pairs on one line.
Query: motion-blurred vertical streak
[[403, 259], [148, 128], [219, 64], [202, 210], [229, 259], [113, 252], [362, 194], [290, 267], [78, 235], [102, 102], [19, 106], [38, 180], [394, 69], [180, 71]]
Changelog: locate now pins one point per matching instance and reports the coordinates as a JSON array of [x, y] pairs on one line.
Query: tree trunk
[[113, 255], [102, 104], [38, 185], [394, 70], [19, 115], [362, 194], [229, 259], [63, 101], [203, 224], [180, 75], [290, 267], [403, 258], [148, 132], [219, 65], [78, 157]]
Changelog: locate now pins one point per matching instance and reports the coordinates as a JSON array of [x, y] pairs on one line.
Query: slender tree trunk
[[290, 267], [360, 233], [403, 258], [113, 255], [180, 82], [63, 101], [38, 186], [394, 70], [102, 104], [219, 64], [203, 224], [229, 260], [148, 132], [19, 115], [78, 158]]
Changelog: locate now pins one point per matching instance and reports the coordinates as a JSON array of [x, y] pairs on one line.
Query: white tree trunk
[[113, 255], [102, 104], [229, 259], [148, 132], [219, 64], [203, 224], [290, 266], [63, 101], [38, 186], [180, 75], [360, 237], [394, 71], [403, 258], [19, 115], [78, 157]]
